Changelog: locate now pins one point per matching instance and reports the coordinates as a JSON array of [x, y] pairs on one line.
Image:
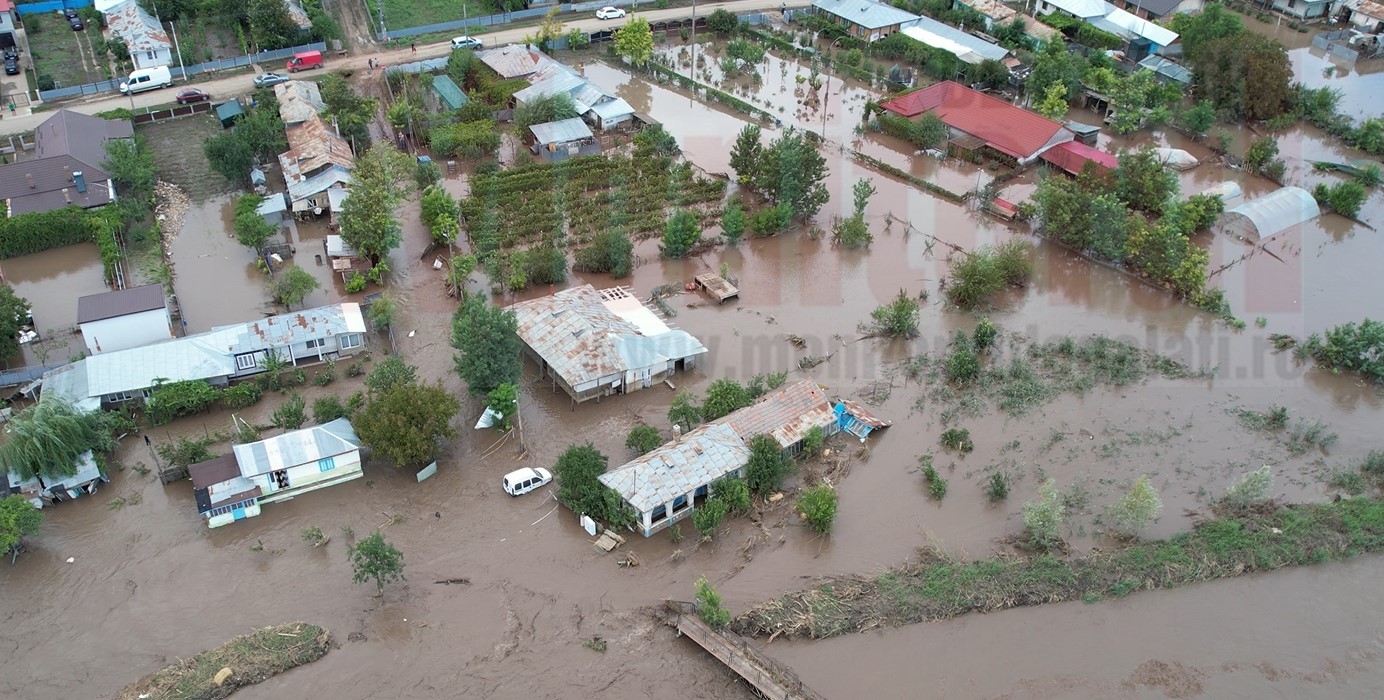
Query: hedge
[[38, 231]]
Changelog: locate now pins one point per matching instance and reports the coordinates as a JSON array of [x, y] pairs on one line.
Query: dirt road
[[240, 83]]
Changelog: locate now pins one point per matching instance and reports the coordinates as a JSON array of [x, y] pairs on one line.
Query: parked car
[[303, 61], [609, 13], [466, 42], [522, 481], [11, 52], [11, 65], [76, 23], [191, 95], [267, 79]]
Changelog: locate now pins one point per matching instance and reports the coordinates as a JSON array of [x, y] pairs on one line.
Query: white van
[[147, 79], [520, 482]]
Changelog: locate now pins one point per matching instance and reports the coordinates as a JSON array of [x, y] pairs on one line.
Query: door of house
[[646, 377]]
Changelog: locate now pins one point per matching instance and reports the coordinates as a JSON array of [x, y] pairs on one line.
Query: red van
[[304, 61]]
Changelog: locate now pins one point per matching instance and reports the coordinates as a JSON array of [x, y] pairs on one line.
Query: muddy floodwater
[[148, 584], [52, 281]]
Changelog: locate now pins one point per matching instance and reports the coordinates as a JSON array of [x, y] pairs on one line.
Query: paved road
[[240, 83]]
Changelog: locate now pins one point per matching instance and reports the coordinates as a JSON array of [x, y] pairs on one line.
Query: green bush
[[1349, 347], [897, 319], [734, 492], [37, 231], [1043, 518], [643, 439], [241, 395], [326, 409], [291, 414], [1137, 508], [962, 365], [173, 399], [818, 506], [709, 606], [768, 464], [724, 397], [977, 277], [478, 139], [985, 335], [681, 234], [997, 488], [814, 440], [610, 251], [707, 518], [958, 439]]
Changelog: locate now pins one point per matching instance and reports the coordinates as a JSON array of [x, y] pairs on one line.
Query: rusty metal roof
[[297, 327], [515, 60], [786, 413], [312, 146], [140, 31], [679, 467], [299, 100], [864, 415]]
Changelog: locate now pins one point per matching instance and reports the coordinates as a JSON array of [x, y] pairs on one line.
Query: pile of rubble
[[170, 208]]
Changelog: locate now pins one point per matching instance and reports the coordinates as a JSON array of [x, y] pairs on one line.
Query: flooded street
[[149, 584]]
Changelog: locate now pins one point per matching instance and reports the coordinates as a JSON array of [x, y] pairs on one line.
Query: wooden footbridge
[[772, 679]]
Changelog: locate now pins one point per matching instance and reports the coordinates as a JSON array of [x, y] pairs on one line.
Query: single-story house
[[1167, 70], [1142, 37], [1366, 15], [968, 48], [233, 487], [124, 319], [663, 485], [864, 19], [560, 140], [515, 60], [1080, 9], [609, 113], [596, 343], [343, 258], [316, 160], [7, 13], [1159, 9], [1304, 9], [65, 166], [1040, 33], [1274, 213], [298, 14], [41, 490], [602, 110], [142, 33], [448, 93], [299, 100], [217, 356], [993, 123], [994, 12], [1073, 156]]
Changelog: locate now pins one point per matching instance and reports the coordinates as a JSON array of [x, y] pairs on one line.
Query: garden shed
[[559, 140], [228, 113], [448, 93], [1271, 214]]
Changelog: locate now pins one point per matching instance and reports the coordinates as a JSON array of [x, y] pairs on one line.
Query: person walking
[[413, 46]]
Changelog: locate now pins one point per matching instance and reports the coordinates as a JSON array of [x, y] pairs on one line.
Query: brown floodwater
[[149, 584], [52, 281]]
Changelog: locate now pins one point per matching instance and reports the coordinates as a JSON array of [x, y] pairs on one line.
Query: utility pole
[[179, 49]]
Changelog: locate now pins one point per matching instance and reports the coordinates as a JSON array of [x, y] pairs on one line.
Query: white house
[[596, 343], [41, 491], [217, 356], [279, 468], [124, 319], [142, 33]]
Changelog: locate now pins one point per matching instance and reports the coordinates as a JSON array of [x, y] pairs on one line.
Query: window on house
[[151, 55], [346, 342], [326, 465], [316, 343], [246, 361]]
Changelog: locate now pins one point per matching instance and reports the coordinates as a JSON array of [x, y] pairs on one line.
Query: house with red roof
[[978, 120], [1073, 156]]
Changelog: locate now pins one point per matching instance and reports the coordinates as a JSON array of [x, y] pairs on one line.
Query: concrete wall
[[124, 332]]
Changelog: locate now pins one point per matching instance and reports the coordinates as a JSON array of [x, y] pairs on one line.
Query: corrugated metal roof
[[613, 110], [866, 13], [968, 48], [313, 146], [583, 340], [1130, 27], [514, 60], [298, 447], [299, 100], [1081, 8], [69, 385], [864, 415], [140, 31], [573, 129], [1073, 156], [448, 92], [1004, 127], [786, 413], [678, 468], [1037, 29], [297, 327], [1166, 68], [95, 307], [560, 82], [1367, 7], [1272, 213], [333, 177]]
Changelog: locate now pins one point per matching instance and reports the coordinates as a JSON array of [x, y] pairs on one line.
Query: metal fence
[[505, 18], [33, 8], [1336, 43], [208, 67]]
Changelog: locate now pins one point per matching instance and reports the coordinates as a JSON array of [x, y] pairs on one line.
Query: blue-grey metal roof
[[448, 91], [573, 129], [970, 49], [680, 467], [295, 448], [295, 327], [1167, 69], [613, 110], [319, 183], [68, 384], [866, 13]]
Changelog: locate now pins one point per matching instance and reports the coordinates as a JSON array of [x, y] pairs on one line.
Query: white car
[[466, 42], [610, 13], [522, 481]]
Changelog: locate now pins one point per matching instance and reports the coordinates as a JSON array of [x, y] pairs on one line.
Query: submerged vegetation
[[936, 587], [252, 658]]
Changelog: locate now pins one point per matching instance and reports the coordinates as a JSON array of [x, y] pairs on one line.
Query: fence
[[504, 18], [209, 66], [1336, 44], [150, 116], [33, 8]]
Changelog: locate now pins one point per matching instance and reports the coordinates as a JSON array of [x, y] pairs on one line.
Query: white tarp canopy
[[1271, 214], [1176, 158], [1229, 192]]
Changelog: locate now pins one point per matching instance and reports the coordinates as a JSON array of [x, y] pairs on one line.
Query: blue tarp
[[33, 8]]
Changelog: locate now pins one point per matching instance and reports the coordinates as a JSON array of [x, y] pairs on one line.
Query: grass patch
[[1272, 420], [1308, 434], [252, 658], [60, 53], [936, 587], [406, 14]]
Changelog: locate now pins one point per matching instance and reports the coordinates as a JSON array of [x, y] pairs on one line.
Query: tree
[[1344, 198], [1137, 508], [722, 21], [1198, 30], [293, 285], [768, 464], [390, 373], [681, 234], [291, 414], [685, 413], [488, 343], [372, 558], [734, 492], [326, 409], [1043, 518], [131, 164], [897, 319], [578, 39], [747, 155], [47, 438], [440, 214], [463, 67], [818, 506], [1245, 74], [852, 232], [707, 518], [351, 112], [381, 311], [543, 109], [257, 137], [1055, 65], [1262, 152], [368, 220], [504, 400], [406, 423], [723, 397], [1054, 103], [635, 40], [990, 72], [655, 141], [792, 173], [1199, 119], [578, 470], [271, 27], [733, 222], [1142, 181], [643, 439], [549, 30], [251, 229], [709, 606], [14, 313], [610, 251], [18, 517]]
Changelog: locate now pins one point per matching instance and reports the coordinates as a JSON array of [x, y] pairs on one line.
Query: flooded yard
[[537, 590]]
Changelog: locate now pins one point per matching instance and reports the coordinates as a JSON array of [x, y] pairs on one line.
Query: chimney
[[65, 196], [80, 179], [30, 178]]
